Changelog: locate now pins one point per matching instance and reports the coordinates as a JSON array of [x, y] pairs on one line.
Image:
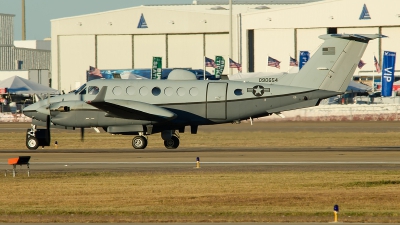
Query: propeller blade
[[82, 133], [48, 129], [48, 123]]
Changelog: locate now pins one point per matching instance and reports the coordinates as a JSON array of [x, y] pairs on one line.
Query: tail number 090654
[[269, 80]]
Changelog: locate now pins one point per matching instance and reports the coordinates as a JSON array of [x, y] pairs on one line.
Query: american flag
[[293, 62], [233, 64], [361, 64], [273, 62], [377, 67], [94, 72], [210, 63]]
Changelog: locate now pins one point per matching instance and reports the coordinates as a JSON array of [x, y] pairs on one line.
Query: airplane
[[145, 107]]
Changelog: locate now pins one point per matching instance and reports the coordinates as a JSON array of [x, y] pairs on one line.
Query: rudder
[[333, 65]]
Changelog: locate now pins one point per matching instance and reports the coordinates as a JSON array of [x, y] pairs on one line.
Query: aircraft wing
[[127, 109]]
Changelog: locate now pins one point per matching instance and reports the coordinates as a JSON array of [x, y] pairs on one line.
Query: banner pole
[[204, 67]]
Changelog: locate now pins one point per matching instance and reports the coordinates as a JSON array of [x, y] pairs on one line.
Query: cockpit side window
[[80, 89], [93, 90], [83, 92]]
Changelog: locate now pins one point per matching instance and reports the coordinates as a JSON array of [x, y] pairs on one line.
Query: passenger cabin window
[[93, 90], [238, 92]]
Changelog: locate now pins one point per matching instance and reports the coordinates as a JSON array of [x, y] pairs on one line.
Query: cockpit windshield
[[80, 89]]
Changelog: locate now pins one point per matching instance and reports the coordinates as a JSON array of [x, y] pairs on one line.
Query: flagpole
[[204, 67], [230, 34], [373, 75]]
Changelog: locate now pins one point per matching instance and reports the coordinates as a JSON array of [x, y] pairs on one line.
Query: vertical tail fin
[[334, 63]]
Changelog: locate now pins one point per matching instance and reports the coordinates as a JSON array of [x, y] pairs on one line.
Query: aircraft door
[[216, 100]]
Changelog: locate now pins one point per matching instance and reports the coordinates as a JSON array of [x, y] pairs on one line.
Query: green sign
[[156, 68], [220, 63]]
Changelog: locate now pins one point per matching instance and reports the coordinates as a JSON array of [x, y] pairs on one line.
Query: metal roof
[[251, 2]]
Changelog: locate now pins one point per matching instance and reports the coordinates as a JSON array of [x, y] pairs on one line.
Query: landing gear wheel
[[32, 143], [139, 142], [172, 143]]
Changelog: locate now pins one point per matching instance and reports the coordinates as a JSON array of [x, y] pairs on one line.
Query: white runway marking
[[265, 163]]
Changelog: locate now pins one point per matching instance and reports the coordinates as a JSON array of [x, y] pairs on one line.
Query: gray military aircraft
[[145, 107]]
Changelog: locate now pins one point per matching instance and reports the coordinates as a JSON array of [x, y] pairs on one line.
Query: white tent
[[18, 85]]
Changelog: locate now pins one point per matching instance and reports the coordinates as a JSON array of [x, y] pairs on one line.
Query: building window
[[18, 64], [331, 30]]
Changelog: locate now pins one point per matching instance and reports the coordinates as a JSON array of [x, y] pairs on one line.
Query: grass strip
[[202, 196]]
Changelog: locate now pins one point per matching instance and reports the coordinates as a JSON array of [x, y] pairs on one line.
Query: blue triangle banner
[[365, 14], [142, 22]]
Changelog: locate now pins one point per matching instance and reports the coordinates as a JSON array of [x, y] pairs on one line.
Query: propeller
[[48, 129], [82, 133]]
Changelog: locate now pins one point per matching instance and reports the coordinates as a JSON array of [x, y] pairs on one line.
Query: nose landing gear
[[37, 137]]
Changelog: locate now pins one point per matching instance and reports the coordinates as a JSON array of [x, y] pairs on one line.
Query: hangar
[[183, 34], [128, 38]]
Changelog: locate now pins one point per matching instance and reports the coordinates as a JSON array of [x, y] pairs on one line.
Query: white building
[[183, 34], [33, 44], [22, 59]]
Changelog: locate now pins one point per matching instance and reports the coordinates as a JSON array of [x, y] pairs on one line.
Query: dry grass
[[198, 196], [244, 139]]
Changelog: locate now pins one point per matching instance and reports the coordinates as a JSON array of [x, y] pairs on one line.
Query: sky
[[40, 12]]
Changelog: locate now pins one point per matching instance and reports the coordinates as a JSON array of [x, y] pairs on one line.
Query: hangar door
[[114, 51], [185, 51], [40, 77], [146, 47], [76, 54], [392, 43], [265, 45], [217, 44], [216, 100]]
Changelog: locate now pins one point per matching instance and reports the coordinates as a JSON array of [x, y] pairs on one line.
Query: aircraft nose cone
[[44, 110], [36, 111], [29, 110]]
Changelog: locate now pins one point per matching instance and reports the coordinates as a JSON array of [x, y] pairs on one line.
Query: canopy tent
[[355, 87], [19, 85]]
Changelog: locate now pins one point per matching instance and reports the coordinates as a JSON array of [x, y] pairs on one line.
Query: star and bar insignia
[[258, 90]]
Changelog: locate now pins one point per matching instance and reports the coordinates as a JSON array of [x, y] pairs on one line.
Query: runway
[[211, 159]]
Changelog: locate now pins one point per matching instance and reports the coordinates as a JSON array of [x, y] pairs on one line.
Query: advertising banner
[[304, 57], [220, 66], [156, 70], [389, 59]]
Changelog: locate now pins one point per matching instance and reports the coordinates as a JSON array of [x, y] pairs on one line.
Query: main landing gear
[[172, 143], [139, 142], [170, 137]]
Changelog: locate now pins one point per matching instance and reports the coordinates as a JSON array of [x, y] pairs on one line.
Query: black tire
[[32, 143], [172, 143], [139, 142]]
